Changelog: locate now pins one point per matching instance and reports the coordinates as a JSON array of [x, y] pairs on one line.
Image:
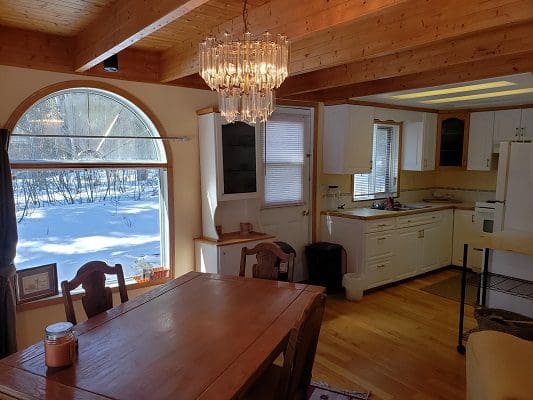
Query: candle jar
[[60, 345]]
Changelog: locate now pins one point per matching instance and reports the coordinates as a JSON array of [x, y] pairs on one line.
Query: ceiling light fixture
[[245, 72], [457, 89], [479, 96]]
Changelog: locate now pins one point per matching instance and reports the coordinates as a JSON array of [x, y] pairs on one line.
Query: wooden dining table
[[200, 336]]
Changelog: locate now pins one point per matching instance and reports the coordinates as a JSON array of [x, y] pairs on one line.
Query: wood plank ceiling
[[339, 48]]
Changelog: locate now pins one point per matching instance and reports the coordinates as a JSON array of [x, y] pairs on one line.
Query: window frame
[[399, 126], [166, 178]]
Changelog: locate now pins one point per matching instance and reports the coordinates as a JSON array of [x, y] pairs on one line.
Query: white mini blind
[[383, 180], [283, 138]]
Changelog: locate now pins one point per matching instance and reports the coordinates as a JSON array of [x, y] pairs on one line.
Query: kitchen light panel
[[479, 96], [458, 89]]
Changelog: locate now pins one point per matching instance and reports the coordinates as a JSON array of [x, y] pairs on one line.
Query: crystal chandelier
[[245, 72]]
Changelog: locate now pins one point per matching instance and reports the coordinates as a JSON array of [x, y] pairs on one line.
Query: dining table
[[199, 336]]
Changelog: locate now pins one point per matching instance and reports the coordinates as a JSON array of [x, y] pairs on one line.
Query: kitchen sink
[[405, 207]]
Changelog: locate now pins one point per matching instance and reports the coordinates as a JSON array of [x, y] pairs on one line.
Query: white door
[[286, 154]]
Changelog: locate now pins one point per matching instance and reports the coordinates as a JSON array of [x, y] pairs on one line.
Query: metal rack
[[488, 281]]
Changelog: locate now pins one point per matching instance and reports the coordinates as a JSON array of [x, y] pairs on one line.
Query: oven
[[485, 212]]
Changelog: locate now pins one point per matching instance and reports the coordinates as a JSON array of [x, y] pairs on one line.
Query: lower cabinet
[[466, 227], [223, 259], [392, 249]]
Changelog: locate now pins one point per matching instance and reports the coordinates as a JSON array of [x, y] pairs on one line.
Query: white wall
[[175, 108]]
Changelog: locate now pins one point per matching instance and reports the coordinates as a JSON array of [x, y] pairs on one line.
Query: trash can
[[326, 262], [354, 285]]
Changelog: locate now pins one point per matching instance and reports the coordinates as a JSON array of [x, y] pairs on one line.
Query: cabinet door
[[465, 227], [412, 143], [480, 141], [527, 123], [379, 272], [506, 125], [407, 253], [452, 140], [348, 133], [431, 249], [430, 141]]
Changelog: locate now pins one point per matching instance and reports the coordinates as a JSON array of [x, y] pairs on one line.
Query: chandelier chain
[[245, 16]]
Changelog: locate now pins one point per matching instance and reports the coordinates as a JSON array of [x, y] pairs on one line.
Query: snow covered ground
[[72, 234]]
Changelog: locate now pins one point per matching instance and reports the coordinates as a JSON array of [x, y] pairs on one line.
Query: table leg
[[460, 347]]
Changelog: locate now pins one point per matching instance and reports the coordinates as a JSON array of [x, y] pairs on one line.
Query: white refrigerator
[[514, 211]]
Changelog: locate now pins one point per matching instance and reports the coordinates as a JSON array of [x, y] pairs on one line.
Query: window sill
[[58, 299]]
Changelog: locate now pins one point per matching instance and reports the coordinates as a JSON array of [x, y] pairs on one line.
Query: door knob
[[305, 213]]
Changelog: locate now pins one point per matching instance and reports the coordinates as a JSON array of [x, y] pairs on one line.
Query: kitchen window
[[284, 156], [382, 181], [90, 183]]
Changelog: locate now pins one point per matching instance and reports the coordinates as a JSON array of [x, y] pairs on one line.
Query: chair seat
[[498, 367]]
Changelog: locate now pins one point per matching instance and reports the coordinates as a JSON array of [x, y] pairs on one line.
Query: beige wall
[[175, 109]]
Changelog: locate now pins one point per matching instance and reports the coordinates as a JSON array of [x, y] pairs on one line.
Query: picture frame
[[36, 283]]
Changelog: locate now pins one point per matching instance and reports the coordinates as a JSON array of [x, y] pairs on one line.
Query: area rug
[[451, 288], [322, 391]]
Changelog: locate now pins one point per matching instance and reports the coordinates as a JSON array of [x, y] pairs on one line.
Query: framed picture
[[36, 283]]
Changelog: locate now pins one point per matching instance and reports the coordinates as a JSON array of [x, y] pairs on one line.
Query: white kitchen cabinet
[[466, 227], [223, 259], [431, 248], [480, 139], [418, 143], [348, 133], [527, 123], [379, 272], [507, 125]]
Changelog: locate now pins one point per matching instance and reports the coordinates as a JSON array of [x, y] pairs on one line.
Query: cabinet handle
[[472, 218], [381, 266], [516, 132], [382, 238], [381, 225], [488, 161]]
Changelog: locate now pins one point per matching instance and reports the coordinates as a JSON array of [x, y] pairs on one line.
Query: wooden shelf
[[235, 237]]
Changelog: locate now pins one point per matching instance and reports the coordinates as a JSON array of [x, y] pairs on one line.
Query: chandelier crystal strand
[[245, 73]]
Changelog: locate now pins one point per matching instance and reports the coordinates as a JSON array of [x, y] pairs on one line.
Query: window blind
[[383, 180], [283, 138]]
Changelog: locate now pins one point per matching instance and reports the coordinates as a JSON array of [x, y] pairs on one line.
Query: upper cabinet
[[452, 139], [480, 138], [418, 143], [512, 125], [348, 131]]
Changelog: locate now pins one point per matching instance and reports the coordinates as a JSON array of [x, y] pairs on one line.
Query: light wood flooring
[[398, 343]]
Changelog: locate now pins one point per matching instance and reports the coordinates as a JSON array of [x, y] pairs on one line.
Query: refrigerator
[[514, 211]]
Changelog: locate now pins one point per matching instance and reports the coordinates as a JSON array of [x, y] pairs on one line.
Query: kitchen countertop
[[371, 214]]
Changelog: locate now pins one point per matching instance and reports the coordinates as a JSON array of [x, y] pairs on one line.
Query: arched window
[[89, 178]]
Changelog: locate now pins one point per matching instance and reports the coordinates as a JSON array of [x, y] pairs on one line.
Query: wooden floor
[[397, 343]]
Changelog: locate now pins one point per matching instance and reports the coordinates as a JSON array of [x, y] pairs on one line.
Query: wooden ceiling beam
[[37, 50], [441, 75], [349, 37], [294, 18], [121, 24], [508, 40]]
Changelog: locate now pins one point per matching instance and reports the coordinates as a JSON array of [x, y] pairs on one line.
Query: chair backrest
[[268, 257], [287, 248], [300, 353], [97, 298]]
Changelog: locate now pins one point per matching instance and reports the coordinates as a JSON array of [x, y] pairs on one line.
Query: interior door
[[286, 153]]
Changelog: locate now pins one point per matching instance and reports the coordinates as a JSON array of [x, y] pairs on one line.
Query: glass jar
[[60, 345], [333, 197]]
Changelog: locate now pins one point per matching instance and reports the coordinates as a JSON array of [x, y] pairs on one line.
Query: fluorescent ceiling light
[[479, 96], [458, 89]]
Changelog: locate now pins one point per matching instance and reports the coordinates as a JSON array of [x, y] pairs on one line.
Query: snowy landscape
[[70, 217]]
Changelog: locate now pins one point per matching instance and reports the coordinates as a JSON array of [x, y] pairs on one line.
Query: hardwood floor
[[398, 343]]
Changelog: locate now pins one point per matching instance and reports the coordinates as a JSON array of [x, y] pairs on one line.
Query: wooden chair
[[268, 255], [291, 381], [97, 298]]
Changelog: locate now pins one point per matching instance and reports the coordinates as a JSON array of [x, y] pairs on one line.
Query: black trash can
[[326, 265]]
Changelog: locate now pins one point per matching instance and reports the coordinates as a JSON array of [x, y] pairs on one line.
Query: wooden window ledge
[[58, 299]]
